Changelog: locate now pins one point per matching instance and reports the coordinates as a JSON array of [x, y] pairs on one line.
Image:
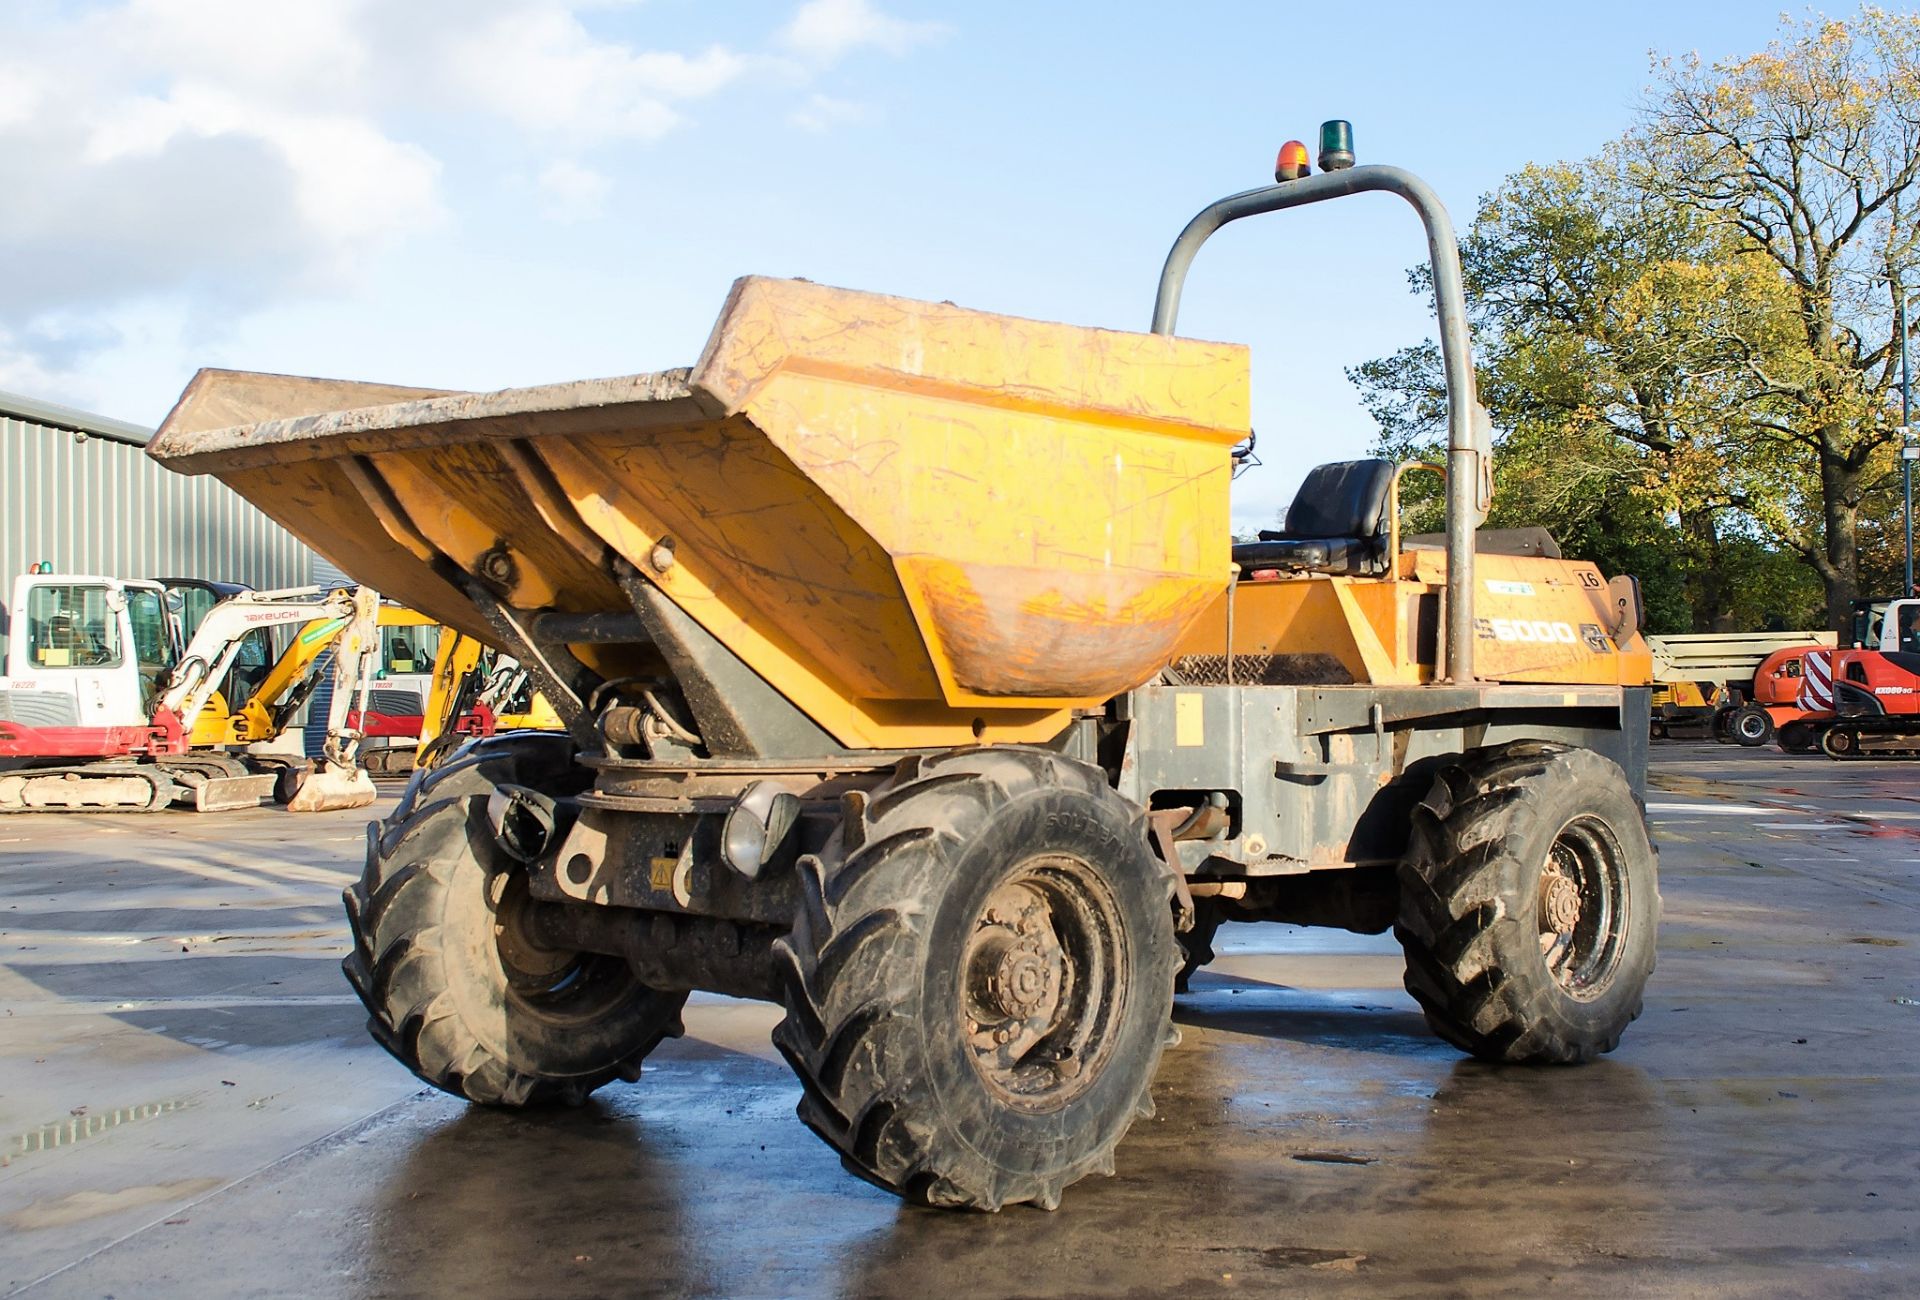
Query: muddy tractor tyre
[[1529, 904], [452, 986], [980, 981], [1752, 726]]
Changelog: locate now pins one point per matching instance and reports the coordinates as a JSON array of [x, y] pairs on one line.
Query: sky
[[479, 194]]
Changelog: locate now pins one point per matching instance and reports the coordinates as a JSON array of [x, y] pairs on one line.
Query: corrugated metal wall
[[94, 505]]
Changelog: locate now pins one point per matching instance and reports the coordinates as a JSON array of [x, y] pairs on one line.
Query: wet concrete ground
[[188, 1105]]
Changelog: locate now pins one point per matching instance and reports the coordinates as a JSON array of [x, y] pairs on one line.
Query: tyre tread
[[390, 917], [1459, 839], [838, 999]]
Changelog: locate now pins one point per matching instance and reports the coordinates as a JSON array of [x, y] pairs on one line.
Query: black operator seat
[[1336, 524]]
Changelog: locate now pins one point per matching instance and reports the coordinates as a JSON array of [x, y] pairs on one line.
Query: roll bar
[[1469, 435]]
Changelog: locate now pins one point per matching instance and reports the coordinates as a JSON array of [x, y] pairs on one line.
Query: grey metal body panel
[[1318, 778], [1323, 777], [40, 708]]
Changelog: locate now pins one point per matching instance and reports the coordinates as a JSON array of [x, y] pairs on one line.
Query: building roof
[[55, 416]]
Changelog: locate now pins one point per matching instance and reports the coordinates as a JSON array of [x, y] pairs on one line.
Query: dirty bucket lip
[[577, 406]]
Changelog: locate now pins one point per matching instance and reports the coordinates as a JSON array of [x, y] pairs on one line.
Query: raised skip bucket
[[917, 522]]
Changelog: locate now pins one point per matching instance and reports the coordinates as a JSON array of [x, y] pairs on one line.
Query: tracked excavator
[[477, 692], [102, 709], [1864, 702]]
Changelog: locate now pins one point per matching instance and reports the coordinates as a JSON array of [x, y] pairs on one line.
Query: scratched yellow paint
[[1053, 499], [924, 524], [1536, 620], [921, 524]]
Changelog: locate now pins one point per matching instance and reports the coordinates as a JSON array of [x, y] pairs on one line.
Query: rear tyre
[[1529, 904], [1722, 725], [1752, 726], [979, 985], [453, 987]]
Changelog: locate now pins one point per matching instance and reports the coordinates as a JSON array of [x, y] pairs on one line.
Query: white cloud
[[22, 371], [351, 183], [118, 195], [229, 152], [182, 163], [821, 112], [278, 52], [825, 30], [539, 68], [573, 192]]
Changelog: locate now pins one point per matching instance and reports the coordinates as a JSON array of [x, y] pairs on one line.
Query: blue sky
[[484, 193]]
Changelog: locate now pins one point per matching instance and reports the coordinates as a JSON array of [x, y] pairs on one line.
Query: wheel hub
[[1582, 908], [1038, 976], [528, 964], [1559, 902], [1015, 969], [1019, 977]]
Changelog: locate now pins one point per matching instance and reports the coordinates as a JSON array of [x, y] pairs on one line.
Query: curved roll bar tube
[[1469, 440]]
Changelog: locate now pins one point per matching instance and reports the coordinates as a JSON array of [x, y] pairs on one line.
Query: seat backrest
[[1345, 499]]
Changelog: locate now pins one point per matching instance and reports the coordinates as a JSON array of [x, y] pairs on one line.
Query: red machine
[[1848, 703], [1862, 703], [1773, 710]]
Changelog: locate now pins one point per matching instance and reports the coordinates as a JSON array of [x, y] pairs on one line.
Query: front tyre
[[1529, 904], [453, 984], [979, 985], [1752, 725]]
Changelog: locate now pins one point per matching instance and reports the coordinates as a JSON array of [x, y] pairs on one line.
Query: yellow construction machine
[[476, 692], [910, 680]]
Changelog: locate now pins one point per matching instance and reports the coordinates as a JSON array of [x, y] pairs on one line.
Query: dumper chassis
[[973, 910]]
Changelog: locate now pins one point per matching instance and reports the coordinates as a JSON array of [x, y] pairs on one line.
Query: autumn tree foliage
[[1688, 340]]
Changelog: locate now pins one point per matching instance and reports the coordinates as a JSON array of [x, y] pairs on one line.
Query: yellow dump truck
[[910, 680]]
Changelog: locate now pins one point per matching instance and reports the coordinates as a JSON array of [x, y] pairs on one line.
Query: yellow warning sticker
[[661, 876], [1189, 719]]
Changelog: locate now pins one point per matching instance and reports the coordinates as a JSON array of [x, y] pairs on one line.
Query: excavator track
[[201, 782], [91, 787], [1847, 741], [218, 783]]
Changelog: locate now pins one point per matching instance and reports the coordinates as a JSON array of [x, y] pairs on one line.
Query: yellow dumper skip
[[921, 524]]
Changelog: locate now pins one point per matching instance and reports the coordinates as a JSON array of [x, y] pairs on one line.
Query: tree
[[1700, 319], [1595, 306], [1809, 154]]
